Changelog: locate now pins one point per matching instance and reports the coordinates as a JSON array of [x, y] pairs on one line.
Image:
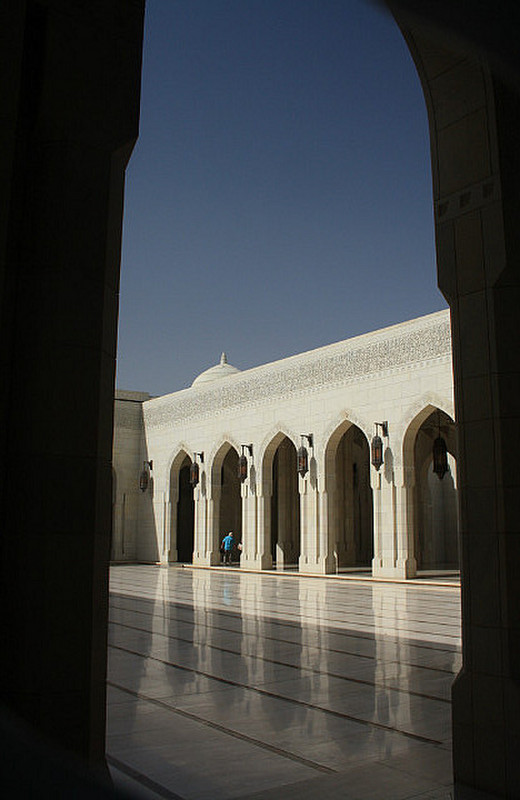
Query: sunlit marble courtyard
[[224, 684]]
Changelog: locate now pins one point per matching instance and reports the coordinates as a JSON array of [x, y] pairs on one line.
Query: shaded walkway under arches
[[230, 502], [185, 514], [285, 507], [350, 503], [436, 530]]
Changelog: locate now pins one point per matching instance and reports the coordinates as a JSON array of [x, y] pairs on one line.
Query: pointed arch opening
[[182, 510], [281, 474], [433, 502], [350, 503], [227, 495]]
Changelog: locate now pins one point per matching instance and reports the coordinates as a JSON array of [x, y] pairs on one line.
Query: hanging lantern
[[144, 477], [377, 452], [440, 457], [144, 480], [194, 474], [302, 461], [242, 468]]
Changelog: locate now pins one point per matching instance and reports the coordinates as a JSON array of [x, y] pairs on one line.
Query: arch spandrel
[[418, 414], [419, 411], [217, 456], [333, 435], [270, 444], [179, 454], [342, 421]]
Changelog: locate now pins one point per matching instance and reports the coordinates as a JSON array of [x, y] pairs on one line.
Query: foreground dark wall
[[69, 108], [468, 69]]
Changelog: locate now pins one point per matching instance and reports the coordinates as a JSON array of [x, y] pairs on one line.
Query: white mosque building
[[341, 458]]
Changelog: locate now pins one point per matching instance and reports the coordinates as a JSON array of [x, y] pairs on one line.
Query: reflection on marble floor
[[230, 685]]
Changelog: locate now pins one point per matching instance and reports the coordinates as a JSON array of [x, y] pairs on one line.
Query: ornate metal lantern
[[242, 468], [144, 480], [194, 474], [440, 457], [377, 452], [144, 477], [377, 444], [303, 461], [302, 456], [194, 469]]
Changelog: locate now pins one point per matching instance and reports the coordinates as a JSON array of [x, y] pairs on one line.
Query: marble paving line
[[356, 622], [451, 630], [268, 623], [228, 731], [299, 667], [275, 695], [450, 625]]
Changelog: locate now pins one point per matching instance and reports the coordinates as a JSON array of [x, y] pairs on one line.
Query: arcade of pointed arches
[[271, 512]]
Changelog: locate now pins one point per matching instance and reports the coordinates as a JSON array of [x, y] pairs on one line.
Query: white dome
[[221, 370]]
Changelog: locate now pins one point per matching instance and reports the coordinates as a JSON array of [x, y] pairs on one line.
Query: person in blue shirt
[[227, 547]]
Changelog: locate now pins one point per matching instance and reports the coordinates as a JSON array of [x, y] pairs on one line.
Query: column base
[[168, 558], [400, 569], [209, 559], [259, 562], [326, 565]]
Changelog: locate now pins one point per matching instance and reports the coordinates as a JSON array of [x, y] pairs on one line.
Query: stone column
[[475, 127], [200, 525], [316, 552], [213, 532], [327, 545], [384, 564], [406, 565], [158, 521], [248, 558], [69, 95], [263, 557], [170, 523], [479, 257], [377, 561], [392, 550]]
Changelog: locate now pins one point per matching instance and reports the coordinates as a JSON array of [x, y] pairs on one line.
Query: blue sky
[[279, 197]]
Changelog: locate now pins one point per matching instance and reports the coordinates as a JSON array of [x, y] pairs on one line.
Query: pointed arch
[[270, 444], [218, 452], [415, 418], [226, 490], [349, 494], [344, 418], [179, 454], [181, 506], [279, 487], [432, 503]]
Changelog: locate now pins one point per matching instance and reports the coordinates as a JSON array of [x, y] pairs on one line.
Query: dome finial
[[220, 370]]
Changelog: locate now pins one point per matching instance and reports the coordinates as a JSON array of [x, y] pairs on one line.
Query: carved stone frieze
[[328, 367]]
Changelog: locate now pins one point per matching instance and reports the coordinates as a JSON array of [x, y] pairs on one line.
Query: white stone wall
[[388, 375], [128, 455]]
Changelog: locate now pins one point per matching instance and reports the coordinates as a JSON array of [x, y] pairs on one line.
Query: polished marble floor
[[230, 685]]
